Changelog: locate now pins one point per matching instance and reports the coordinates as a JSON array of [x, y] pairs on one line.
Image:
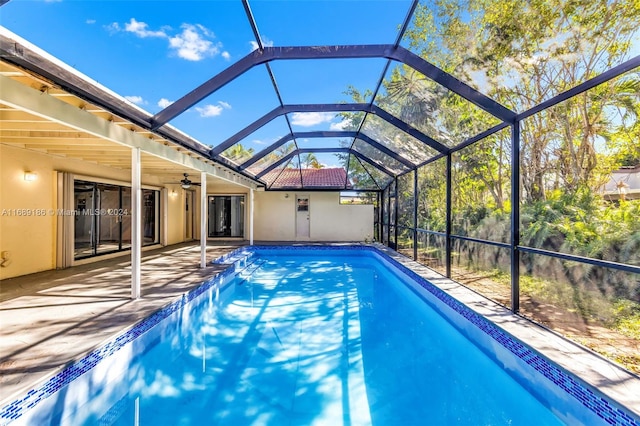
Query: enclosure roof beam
[[268, 54], [286, 138], [372, 163], [292, 154], [386, 150], [277, 163], [266, 151], [350, 151], [456, 86], [279, 111], [340, 107], [326, 134], [408, 129]]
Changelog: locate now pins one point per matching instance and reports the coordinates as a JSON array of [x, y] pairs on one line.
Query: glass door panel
[[226, 216], [150, 213], [84, 223], [103, 218], [108, 221], [124, 216]]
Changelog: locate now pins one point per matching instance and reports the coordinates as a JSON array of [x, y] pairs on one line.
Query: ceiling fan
[[186, 182]]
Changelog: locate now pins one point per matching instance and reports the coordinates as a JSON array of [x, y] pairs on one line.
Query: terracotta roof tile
[[311, 178]]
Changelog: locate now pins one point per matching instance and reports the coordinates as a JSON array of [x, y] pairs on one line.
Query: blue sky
[[153, 52]]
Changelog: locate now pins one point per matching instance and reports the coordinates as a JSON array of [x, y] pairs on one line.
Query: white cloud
[[113, 27], [213, 110], [90, 21], [339, 126], [209, 110], [308, 119], [330, 166], [141, 29], [164, 102], [192, 43], [265, 42], [136, 100], [258, 142]]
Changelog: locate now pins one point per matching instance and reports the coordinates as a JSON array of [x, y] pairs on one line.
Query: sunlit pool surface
[[306, 337]]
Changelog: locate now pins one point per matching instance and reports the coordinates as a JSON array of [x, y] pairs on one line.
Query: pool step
[[238, 260], [249, 270]]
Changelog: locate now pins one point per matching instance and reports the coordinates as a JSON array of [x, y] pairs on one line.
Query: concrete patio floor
[[52, 318]]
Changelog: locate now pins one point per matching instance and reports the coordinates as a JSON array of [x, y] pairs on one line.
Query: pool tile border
[[606, 410], [20, 406]]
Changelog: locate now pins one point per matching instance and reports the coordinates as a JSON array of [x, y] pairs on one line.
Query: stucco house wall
[[275, 218]]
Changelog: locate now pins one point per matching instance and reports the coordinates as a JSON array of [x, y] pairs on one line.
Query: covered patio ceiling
[[425, 101], [52, 128]]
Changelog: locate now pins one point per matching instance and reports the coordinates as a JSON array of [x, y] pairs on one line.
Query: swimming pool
[[317, 335]]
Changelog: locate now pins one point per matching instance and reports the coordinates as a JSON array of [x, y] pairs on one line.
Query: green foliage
[[626, 316], [238, 153], [522, 54], [310, 161]]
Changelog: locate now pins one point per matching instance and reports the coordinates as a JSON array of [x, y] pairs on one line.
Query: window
[[303, 204]]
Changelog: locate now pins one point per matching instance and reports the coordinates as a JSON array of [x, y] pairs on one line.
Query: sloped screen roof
[[374, 89]]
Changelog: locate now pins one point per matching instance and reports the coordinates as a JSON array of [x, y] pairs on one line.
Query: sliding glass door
[[103, 218], [226, 216]]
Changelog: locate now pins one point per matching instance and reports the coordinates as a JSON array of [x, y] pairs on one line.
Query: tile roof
[[311, 178]]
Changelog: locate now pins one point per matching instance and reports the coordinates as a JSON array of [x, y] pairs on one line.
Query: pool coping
[[609, 380]]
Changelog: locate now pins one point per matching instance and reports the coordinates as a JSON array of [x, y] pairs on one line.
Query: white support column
[[251, 209], [136, 223], [203, 220]]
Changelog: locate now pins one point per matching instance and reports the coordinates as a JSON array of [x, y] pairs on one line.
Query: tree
[[238, 153], [522, 53], [310, 161]]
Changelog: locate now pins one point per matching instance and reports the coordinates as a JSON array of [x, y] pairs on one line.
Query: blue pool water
[[318, 337]]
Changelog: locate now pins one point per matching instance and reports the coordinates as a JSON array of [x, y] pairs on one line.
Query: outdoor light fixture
[[30, 176]]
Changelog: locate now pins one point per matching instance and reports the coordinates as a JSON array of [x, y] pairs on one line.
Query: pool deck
[[50, 319]]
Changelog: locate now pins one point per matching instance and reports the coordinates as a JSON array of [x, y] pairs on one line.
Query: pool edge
[[477, 309]]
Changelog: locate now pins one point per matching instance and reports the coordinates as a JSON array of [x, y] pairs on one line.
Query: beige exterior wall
[[27, 209], [175, 219], [28, 238], [275, 217], [331, 221], [28, 222]]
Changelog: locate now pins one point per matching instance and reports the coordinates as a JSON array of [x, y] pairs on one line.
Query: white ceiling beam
[[48, 107]]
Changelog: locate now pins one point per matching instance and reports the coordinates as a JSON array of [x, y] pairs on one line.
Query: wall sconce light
[[30, 176], [173, 193], [286, 195]]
